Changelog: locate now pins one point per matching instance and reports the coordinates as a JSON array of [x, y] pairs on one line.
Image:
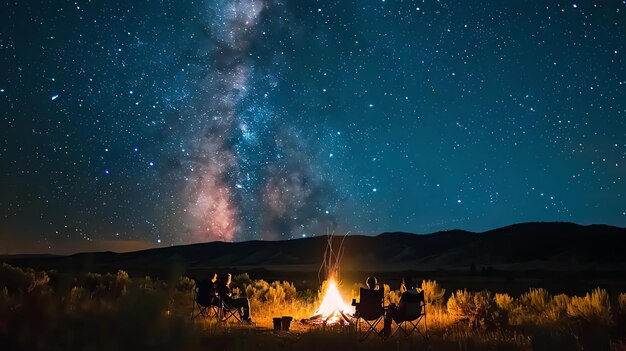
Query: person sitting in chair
[[370, 308], [372, 283], [223, 290], [398, 313], [206, 290]]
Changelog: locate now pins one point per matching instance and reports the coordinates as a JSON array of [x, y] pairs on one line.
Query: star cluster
[[171, 122]]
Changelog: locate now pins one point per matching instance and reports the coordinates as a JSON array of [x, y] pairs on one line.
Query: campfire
[[332, 309]]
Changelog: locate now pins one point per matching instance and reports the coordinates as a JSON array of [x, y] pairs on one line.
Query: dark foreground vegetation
[[44, 310]]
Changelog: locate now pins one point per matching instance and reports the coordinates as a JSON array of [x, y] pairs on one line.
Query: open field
[[47, 310]]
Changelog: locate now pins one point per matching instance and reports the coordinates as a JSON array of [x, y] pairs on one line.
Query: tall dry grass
[[594, 308], [143, 312]]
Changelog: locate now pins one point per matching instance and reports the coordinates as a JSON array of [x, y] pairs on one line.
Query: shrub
[[76, 298], [13, 279], [147, 283], [558, 307], [535, 301], [621, 316], [593, 308], [4, 298], [460, 304], [242, 280], [433, 292], [438, 316], [504, 301], [18, 280], [621, 302], [256, 290], [391, 296], [108, 285], [185, 284], [478, 308], [275, 292], [40, 280], [92, 281], [280, 292]]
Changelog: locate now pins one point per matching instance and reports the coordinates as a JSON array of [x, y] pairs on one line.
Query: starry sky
[[132, 124]]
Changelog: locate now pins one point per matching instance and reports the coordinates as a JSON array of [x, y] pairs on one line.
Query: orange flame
[[332, 304]]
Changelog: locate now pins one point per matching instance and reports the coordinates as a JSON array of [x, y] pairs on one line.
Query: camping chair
[[412, 313], [228, 312], [206, 301], [370, 310]]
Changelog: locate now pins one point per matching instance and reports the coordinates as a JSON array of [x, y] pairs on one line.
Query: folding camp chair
[[227, 312], [205, 301], [411, 313], [371, 311]]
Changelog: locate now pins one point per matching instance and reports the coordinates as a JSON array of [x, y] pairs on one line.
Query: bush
[[257, 289], [535, 302], [147, 283], [504, 301], [108, 286], [13, 279], [478, 308], [460, 304], [275, 292], [242, 280], [594, 308], [18, 280], [433, 292], [391, 296], [92, 281], [621, 302], [558, 307], [281, 292], [77, 298], [185, 284]]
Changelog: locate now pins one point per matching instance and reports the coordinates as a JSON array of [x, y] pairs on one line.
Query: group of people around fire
[[397, 312], [219, 286]]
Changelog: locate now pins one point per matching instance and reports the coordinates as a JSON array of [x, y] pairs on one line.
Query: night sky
[[130, 124]]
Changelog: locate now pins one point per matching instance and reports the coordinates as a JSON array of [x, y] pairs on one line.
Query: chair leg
[[371, 329], [398, 327], [228, 313], [402, 326], [408, 327], [201, 312]]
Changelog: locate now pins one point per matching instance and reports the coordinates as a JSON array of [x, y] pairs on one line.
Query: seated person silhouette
[[410, 304], [369, 295], [372, 283], [206, 293], [223, 290], [370, 307]]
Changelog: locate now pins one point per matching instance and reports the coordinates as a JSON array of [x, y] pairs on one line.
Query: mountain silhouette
[[536, 245]]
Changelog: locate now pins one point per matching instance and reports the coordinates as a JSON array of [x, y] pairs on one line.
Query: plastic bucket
[[286, 322], [277, 323]]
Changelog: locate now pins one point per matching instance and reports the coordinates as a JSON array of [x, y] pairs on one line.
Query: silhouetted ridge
[[550, 245]]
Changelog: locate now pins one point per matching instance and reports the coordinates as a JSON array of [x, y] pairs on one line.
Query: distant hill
[[526, 246]]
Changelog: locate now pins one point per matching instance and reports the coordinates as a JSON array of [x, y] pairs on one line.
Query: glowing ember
[[332, 309]]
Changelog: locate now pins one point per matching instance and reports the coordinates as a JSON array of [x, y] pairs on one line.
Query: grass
[[49, 311]]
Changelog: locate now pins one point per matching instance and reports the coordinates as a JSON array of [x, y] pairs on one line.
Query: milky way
[[219, 184], [129, 124]]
